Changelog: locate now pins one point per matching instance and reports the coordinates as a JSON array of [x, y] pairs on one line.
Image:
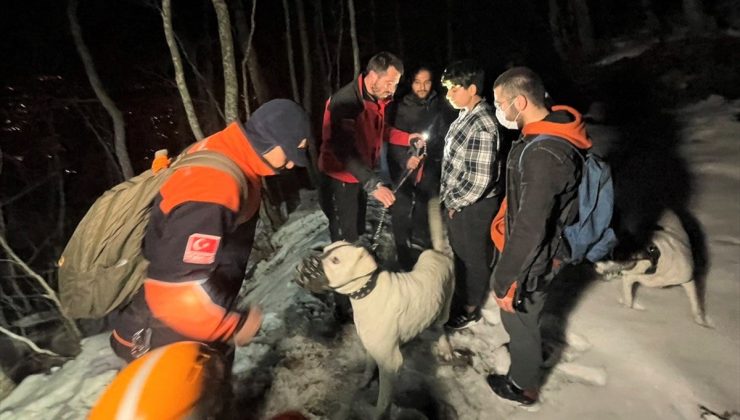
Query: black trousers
[[410, 223], [525, 343], [470, 238], [410, 213], [344, 204]]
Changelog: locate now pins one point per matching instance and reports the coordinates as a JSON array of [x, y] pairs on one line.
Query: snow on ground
[[627, 49], [619, 363]]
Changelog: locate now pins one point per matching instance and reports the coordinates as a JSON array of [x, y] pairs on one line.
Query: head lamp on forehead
[[448, 84]]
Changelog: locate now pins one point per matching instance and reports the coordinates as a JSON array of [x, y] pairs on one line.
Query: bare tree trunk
[[289, 48], [247, 54], [450, 32], [105, 100], [307, 65], [585, 27], [106, 147], [231, 86], [250, 66], [373, 20], [399, 31], [338, 75], [693, 10], [557, 38], [182, 85], [651, 21], [353, 34], [321, 45]]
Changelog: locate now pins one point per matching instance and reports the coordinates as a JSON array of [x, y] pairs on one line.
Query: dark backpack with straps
[[591, 236], [102, 265]]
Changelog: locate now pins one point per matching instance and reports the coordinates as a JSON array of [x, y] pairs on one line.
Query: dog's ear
[[364, 242]]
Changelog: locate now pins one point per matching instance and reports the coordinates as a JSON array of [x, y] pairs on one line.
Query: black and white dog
[[666, 261]]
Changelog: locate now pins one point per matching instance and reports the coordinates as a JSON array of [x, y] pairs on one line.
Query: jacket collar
[[233, 142]]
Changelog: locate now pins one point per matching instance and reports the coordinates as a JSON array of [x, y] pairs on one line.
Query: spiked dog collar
[[367, 288]]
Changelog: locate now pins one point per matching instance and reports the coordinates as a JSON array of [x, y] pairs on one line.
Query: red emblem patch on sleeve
[[201, 249]]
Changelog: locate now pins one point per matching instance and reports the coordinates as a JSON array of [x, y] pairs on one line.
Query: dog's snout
[[311, 275]]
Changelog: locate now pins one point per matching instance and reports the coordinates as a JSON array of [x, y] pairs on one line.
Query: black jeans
[[344, 206], [410, 223], [525, 341], [470, 238]]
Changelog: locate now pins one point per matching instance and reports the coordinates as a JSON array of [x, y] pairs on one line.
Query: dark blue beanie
[[280, 122]]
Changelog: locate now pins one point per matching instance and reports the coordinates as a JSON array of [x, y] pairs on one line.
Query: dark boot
[[503, 386]]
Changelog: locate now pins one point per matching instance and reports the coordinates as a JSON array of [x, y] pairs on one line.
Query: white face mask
[[501, 117]]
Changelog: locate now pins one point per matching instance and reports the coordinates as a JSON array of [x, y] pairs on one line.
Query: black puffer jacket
[[431, 115]]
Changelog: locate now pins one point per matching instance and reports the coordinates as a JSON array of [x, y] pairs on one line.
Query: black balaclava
[[280, 122]]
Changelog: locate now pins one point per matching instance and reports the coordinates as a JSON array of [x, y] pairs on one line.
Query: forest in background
[[91, 89]]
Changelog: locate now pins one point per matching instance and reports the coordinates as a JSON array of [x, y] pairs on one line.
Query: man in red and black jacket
[[197, 243], [354, 128]]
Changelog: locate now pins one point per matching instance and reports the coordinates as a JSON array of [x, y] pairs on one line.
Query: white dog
[[667, 262], [389, 308]]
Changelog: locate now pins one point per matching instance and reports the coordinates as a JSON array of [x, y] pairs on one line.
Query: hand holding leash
[[384, 195]]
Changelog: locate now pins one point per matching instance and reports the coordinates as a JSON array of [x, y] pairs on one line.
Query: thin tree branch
[[28, 342], [28, 190], [211, 97], [50, 294]]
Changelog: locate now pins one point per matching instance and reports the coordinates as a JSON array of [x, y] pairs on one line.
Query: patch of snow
[[627, 50]]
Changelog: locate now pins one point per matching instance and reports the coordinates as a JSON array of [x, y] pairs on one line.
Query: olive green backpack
[[102, 265]]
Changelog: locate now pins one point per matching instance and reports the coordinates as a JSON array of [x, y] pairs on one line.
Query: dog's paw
[[491, 316], [445, 356], [608, 268], [633, 305], [704, 321]]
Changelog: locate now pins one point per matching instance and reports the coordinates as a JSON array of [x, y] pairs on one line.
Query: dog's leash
[[422, 154]]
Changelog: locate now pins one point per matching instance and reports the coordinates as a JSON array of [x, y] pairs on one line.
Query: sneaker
[[463, 320], [511, 393]]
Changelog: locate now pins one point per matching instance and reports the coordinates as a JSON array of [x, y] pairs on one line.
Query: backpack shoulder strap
[[215, 160], [543, 137]]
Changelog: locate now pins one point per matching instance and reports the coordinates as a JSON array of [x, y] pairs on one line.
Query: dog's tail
[[436, 226]]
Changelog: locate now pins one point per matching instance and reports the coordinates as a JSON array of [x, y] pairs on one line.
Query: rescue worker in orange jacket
[[196, 242]]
